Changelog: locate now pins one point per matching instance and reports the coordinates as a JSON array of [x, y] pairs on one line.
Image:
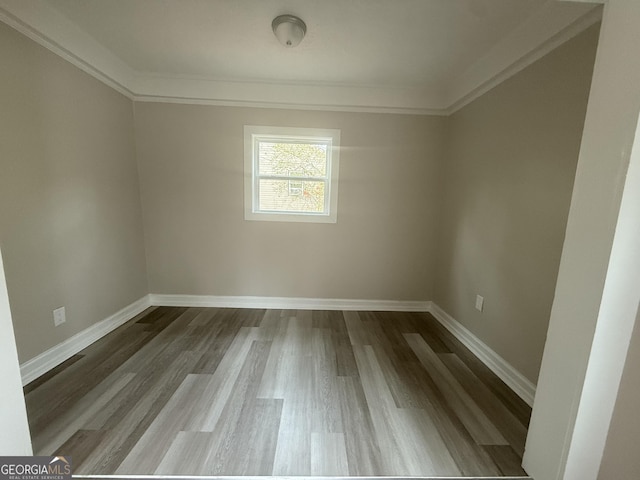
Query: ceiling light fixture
[[289, 30]]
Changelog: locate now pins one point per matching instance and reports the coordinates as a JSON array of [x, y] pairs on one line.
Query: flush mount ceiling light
[[289, 30]]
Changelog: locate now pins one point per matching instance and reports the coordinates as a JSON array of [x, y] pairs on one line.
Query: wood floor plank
[[479, 426], [345, 360], [160, 373], [326, 413], [422, 324], [272, 324], [363, 452], [281, 365], [186, 454], [57, 395], [254, 441], [397, 437], [64, 426], [334, 322], [357, 331], [240, 404], [153, 445], [172, 334], [82, 443], [252, 317], [208, 409], [295, 385], [216, 336], [419, 436], [320, 319], [508, 461], [244, 421], [510, 427], [404, 393], [305, 316], [293, 450], [274, 329], [131, 423], [381, 405], [203, 316], [51, 373], [328, 455], [152, 314], [508, 397], [469, 457]]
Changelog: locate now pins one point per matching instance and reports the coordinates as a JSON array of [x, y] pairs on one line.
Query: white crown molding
[[281, 95], [37, 366], [285, 303], [552, 25], [517, 382], [520, 49], [294, 106], [47, 27]]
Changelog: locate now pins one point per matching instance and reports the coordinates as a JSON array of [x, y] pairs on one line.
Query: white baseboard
[[53, 357], [287, 303], [498, 365], [32, 369]]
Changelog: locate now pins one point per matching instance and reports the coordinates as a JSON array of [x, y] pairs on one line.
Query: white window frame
[[254, 134]]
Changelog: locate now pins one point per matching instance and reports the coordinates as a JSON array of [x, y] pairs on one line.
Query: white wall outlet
[[479, 303], [59, 316]]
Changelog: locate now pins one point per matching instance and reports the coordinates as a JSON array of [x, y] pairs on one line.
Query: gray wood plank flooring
[[245, 392]]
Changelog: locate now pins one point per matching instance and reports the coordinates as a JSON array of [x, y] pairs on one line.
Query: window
[[291, 174]]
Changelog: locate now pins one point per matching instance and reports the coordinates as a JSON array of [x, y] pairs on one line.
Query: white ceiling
[[420, 56], [370, 42]]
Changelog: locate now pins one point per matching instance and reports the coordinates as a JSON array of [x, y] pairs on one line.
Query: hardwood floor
[[205, 391]]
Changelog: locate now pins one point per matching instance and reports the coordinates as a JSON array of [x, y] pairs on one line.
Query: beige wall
[[70, 218], [507, 186], [197, 241], [71, 225], [35, 88]]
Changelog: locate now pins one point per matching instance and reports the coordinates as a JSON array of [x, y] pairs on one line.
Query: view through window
[[291, 174]]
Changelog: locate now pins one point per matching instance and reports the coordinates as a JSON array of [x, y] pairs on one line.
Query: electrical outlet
[[479, 303], [59, 316]]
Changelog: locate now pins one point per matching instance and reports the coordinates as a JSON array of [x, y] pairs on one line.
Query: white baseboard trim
[[37, 366], [32, 369], [287, 303], [498, 365]]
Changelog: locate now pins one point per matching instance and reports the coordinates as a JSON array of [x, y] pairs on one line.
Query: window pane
[[292, 159], [291, 196]]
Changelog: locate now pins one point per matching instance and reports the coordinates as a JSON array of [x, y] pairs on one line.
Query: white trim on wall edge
[[37, 366], [517, 382], [287, 303]]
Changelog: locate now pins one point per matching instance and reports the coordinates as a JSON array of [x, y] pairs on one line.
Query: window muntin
[[291, 174]]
